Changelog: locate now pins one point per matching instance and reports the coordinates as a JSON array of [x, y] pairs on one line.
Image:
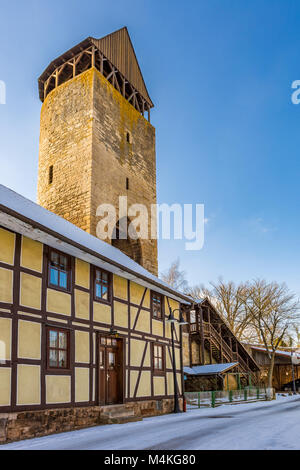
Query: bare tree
[[296, 335], [273, 310], [230, 300], [198, 292], [175, 277]]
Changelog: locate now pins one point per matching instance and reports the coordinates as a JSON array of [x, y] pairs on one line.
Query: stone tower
[[95, 143]]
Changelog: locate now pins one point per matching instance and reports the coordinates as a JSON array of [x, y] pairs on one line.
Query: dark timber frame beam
[[93, 57]]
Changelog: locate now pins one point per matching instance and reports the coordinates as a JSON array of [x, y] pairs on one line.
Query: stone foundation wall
[[30, 424]]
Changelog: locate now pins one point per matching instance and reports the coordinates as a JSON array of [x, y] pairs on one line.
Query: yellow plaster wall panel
[[58, 389], [120, 287], [28, 385], [185, 349], [31, 291], [102, 313], [58, 302], [82, 304], [82, 346], [32, 254], [168, 358], [5, 339], [179, 383], [133, 378], [6, 285], [174, 306], [127, 351], [177, 332], [143, 323], [137, 348], [146, 302], [144, 388], [157, 328], [136, 294], [5, 386], [94, 348], [82, 384], [170, 383], [29, 340], [177, 358], [133, 314], [120, 314], [159, 387], [82, 273], [7, 246], [168, 330]]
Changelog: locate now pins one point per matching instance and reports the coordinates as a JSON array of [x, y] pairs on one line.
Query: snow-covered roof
[[28, 218], [278, 351], [209, 369]]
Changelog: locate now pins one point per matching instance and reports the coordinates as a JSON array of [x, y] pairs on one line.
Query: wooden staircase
[[220, 350]]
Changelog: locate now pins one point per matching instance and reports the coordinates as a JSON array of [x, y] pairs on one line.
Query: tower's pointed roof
[[118, 48]]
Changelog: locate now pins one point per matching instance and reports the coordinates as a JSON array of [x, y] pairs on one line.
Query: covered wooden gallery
[[82, 326], [208, 342], [282, 374]]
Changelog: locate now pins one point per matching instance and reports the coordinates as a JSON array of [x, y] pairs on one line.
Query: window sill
[[59, 289], [58, 371], [158, 319], [101, 301], [159, 373]]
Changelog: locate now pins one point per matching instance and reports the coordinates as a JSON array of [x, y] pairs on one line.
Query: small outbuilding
[[210, 376]]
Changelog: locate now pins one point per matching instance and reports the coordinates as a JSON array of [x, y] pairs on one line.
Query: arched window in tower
[[129, 246]]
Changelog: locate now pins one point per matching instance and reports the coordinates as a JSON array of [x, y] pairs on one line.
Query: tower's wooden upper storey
[[113, 55]]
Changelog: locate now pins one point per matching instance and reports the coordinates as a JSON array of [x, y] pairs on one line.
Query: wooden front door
[[110, 371]]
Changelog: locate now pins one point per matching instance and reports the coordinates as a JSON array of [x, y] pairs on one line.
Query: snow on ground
[[260, 425]]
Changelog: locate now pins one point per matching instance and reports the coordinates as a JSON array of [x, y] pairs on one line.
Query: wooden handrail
[[208, 328]]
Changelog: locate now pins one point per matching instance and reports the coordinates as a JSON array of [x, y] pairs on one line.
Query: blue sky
[[220, 74]]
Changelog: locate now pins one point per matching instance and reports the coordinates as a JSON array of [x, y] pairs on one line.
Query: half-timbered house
[[83, 328]]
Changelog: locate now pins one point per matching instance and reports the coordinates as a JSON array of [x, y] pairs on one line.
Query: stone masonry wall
[[115, 159], [84, 126], [66, 143], [30, 424]]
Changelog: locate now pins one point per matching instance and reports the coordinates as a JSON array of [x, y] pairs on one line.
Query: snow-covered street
[[260, 425]]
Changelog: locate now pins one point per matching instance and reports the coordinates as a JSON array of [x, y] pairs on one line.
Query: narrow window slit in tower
[[127, 183], [128, 137], [51, 174]]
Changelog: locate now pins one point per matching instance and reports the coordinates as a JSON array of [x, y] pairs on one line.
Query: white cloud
[[259, 225]]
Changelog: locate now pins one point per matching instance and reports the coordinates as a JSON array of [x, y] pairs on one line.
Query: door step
[[118, 414], [119, 420]]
